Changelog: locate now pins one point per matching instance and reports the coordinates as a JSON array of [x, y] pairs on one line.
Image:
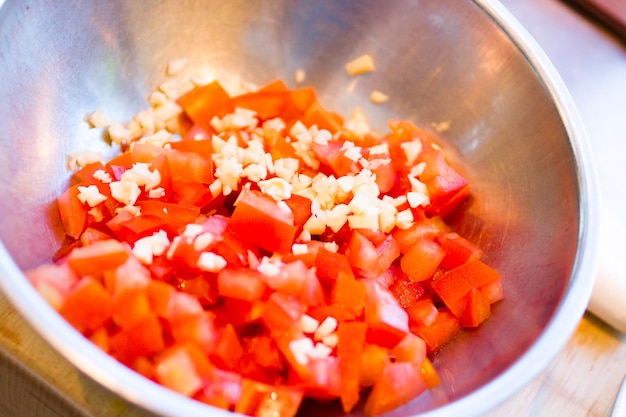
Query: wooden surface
[[581, 381]]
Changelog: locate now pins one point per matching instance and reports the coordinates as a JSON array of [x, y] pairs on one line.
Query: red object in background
[[611, 13]]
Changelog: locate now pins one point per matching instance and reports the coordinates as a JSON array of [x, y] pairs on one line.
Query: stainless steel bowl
[[533, 207]]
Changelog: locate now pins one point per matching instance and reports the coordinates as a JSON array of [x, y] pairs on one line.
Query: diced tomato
[[203, 103], [368, 260], [91, 235], [440, 331], [386, 176], [422, 260], [312, 293], [129, 275], [266, 104], [422, 229], [399, 384], [195, 134], [329, 265], [221, 389], [281, 312], [53, 282], [188, 193], [186, 166], [227, 352], [324, 379], [262, 400], [429, 374], [203, 287], [73, 212], [406, 291], [350, 294], [127, 227], [232, 299], [175, 216], [410, 349], [97, 257], [303, 98], [264, 352], [181, 305], [458, 250], [333, 158], [351, 336], [374, 360], [280, 401], [131, 307], [145, 337], [455, 285], [182, 368], [119, 164], [371, 260], [301, 208], [159, 294], [198, 329], [477, 309], [387, 321], [316, 115], [241, 284], [259, 220], [87, 306], [290, 279], [446, 187], [422, 312]]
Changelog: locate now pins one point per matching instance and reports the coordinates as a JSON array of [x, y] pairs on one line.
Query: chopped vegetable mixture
[[251, 251]]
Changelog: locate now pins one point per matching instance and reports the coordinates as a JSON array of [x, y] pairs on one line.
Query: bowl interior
[[438, 61]]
